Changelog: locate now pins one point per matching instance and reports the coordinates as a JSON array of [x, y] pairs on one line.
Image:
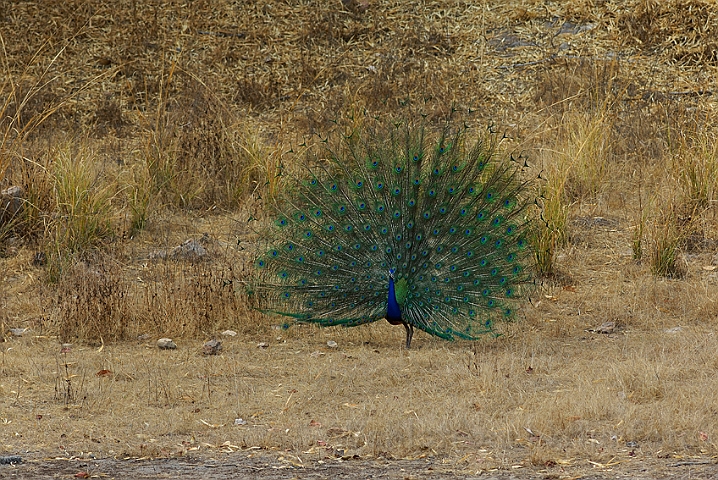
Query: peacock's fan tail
[[449, 218]]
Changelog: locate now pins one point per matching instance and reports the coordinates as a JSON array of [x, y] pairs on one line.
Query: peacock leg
[[409, 334]]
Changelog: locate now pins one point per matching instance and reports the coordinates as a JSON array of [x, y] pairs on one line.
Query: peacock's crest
[[431, 235]]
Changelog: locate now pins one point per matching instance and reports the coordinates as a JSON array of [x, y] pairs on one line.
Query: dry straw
[[133, 129]]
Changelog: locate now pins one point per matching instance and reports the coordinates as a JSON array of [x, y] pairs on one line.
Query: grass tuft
[[666, 260], [93, 303], [668, 238], [587, 146], [697, 164], [83, 216], [139, 198], [551, 231]]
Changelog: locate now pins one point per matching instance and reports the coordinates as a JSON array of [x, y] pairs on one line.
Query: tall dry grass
[[96, 303], [82, 217], [576, 166], [684, 215], [197, 153]]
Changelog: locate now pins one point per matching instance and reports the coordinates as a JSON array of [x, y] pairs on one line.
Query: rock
[[189, 250], [10, 459], [262, 345], [18, 332], [229, 333], [158, 255], [11, 201], [605, 328], [332, 344], [591, 222], [166, 344], [212, 347]]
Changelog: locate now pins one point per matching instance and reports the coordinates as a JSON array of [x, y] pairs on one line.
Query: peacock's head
[[391, 273]]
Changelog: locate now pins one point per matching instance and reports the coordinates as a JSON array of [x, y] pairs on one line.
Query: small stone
[[18, 332], [262, 345], [605, 328], [158, 255], [239, 421], [10, 459], [332, 344], [189, 250], [11, 201], [166, 344], [229, 333], [212, 347]]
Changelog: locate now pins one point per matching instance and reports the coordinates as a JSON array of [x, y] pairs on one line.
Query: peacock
[[428, 234]]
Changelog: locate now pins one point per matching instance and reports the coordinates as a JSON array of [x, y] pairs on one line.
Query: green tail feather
[[451, 220]]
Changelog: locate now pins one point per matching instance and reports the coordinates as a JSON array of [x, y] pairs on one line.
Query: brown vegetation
[[134, 126]]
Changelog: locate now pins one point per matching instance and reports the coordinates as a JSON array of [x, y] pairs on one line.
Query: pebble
[[166, 344], [212, 347]]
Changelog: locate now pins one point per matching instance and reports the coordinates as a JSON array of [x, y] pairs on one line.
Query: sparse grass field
[[134, 126]]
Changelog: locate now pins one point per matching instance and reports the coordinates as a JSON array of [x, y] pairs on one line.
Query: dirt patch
[[241, 465]]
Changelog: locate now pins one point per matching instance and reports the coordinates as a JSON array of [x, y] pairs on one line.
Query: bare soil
[[240, 465]]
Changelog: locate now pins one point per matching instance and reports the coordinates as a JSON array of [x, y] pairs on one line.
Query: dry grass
[[133, 129], [547, 394]]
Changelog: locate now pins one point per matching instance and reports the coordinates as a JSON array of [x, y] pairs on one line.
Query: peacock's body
[[428, 235]]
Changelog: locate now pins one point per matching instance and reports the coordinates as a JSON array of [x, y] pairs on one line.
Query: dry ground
[[184, 110], [548, 397]]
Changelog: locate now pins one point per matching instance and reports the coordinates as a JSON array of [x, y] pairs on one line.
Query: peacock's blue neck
[[393, 312]]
